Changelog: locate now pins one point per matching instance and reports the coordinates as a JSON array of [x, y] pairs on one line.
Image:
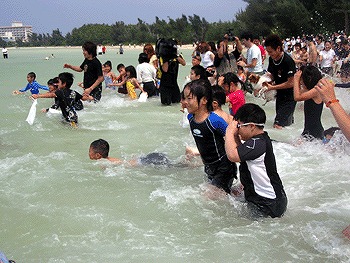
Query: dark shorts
[[284, 112], [150, 88], [97, 93], [268, 207], [222, 174], [154, 159]]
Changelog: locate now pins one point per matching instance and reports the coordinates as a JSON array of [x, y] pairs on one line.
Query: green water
[[57, 205]]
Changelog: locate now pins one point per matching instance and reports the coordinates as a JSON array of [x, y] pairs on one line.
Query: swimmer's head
[[98, 149], [251, 113], [52, 84], [310, 76]]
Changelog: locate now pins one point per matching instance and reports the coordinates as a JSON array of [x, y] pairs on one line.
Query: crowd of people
[[296, 69]]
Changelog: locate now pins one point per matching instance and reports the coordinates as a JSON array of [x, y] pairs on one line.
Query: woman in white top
[[327, 59], [207, 57]]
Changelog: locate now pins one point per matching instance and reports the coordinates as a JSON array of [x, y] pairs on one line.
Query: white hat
[[338, 40]]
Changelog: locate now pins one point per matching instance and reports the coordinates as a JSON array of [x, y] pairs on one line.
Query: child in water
[[131, 82], [247, 142], [108, 74], [235, 96], [305, 81], [66, 97], [32, 85], [208, 130], [99, 149]]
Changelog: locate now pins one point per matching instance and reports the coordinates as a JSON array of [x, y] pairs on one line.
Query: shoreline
[[126, 47]]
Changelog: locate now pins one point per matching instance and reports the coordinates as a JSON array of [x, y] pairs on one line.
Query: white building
[[16, 31]]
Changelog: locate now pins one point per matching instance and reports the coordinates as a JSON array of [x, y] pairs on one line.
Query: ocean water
[[59, 206]]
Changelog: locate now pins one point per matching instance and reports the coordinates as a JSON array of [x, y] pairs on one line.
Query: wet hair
[[199, 71], [310, 76], [219, 95], [201, 88], [132, 71], [273, 41], [232, 77], [108, 63], [251, 112], [90, 47], [330, 131], [143, 57], [120, 66], [67, 78], [100, 146], [53, 81], [32, 75]]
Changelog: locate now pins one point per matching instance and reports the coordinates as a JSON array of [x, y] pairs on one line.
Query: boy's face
[[94, 155], [193, 75], [86, 54], [30, 79], [52, 88], [195, 61], [246, 130], [61, 85], [275, 54]]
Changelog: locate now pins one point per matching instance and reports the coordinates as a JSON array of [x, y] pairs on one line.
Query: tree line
[[261, 17]]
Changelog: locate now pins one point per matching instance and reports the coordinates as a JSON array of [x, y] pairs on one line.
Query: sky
[[48, 15]]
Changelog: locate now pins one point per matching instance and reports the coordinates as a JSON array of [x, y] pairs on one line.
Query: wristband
[[330, 102]]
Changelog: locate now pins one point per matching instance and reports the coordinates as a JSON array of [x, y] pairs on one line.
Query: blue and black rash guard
[[209, 137]]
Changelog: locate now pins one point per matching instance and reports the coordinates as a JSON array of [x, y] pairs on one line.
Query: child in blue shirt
[[208, 130], [32, 85]]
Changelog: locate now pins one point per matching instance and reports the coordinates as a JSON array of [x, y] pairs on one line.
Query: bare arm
[[285, 85], [45, 95], [182, 61], [299, 94], [75, 68], [326, 90], [93, 86], [232, 141]]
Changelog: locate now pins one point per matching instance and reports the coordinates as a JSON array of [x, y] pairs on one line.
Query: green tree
[[119, 33], [57, 39], [199, 27]]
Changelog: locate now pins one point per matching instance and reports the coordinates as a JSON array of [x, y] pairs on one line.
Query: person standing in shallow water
[[281, 68], [169, 88], [308, 77], [262, 185], [92, 67], [208, 130]]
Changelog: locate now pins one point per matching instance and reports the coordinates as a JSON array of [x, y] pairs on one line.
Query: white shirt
[[254, 52], [4, 51], [327, 58], [145, 72], [206, 59]]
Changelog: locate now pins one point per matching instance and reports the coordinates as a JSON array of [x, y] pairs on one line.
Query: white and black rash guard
[[258, 171]]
